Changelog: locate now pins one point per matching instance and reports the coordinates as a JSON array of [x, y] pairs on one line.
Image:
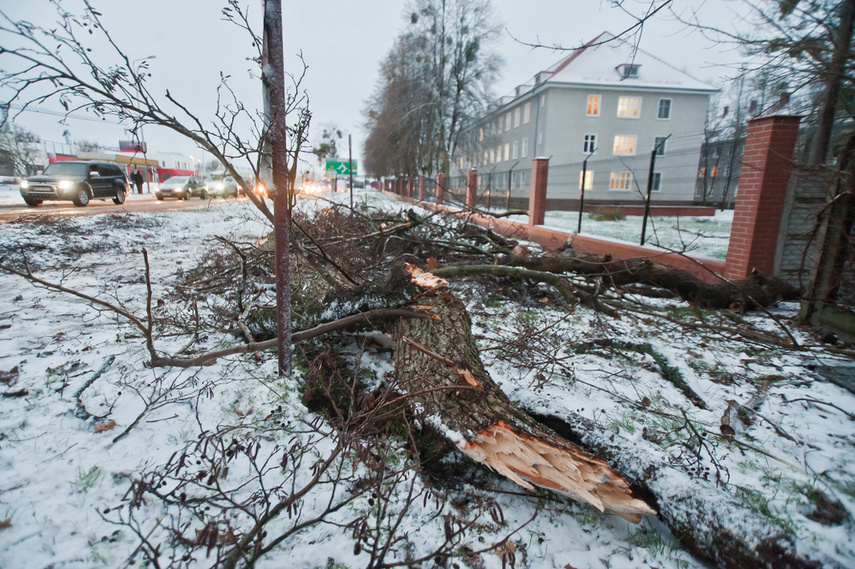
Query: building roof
[[604, 61]]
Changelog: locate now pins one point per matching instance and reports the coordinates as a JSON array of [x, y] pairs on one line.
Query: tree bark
[[437, 362], [273, 79], [755, 291]]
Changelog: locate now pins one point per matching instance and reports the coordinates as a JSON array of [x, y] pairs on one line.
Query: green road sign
[[339, 167]]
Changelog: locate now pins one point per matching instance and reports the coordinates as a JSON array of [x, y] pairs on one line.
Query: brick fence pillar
[[766, 166], [440, 187], [421, 188], [537, 197], [472, 188]]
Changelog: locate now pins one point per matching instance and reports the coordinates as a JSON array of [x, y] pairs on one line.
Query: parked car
[[221, 186], [78, 181], [181, 187]]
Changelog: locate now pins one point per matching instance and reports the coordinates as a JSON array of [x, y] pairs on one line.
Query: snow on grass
[[64, 486]]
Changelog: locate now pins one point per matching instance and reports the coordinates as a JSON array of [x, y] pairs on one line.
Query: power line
[[64, 115]]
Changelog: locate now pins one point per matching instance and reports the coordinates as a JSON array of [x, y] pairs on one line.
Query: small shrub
[[603, 214]]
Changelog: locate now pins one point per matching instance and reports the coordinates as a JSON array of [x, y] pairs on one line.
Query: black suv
[[78, 181]]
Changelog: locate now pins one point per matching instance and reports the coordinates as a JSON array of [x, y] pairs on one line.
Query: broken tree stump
[[437, 362]]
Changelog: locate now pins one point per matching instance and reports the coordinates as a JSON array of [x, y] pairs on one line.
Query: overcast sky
[[343, 41]]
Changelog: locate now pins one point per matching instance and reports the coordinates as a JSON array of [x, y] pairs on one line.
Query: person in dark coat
[[138, 180]]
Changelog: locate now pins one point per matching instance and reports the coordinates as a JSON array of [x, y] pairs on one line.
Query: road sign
[[339, 167]]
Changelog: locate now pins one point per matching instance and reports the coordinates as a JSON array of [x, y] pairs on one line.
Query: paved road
[[133, 203]]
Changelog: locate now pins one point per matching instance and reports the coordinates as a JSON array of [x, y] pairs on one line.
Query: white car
[[221, 186]]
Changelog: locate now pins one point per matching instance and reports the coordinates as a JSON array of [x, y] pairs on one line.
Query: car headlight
[[65, 184], [24, 184]]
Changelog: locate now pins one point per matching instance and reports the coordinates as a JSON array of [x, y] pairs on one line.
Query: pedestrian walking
[[138, 180]]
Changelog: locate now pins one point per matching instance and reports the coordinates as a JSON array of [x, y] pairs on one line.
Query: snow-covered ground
[[66, 488]]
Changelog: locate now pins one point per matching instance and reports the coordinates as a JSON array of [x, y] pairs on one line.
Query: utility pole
[[350, 168]]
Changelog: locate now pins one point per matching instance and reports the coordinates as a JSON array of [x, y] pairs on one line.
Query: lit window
[[499, 153], [516, 118], [508, 121], [527, 113], [629, 107], [620, 181], [590, 144], [659, 145], [593, 106], [480, 134], [664, 109], [589, 179], [516, 150], [524, 152], [625, 144], [657, 182], [507, 151]]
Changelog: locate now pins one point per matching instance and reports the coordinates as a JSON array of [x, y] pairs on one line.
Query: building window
[[664, 109], [524, 152], [659, 145], [527, 113], [629, 107], [499, 153], [515, 153], [492, 155], [508, 121], [501, 124], [540, 138], [628, 70], [593, 109], [486, 156], [507, 151], [516, 117], [620, 181], [590, 144], [480, 134], [589, 179], [657, 182], [625, 144], [542, 101]]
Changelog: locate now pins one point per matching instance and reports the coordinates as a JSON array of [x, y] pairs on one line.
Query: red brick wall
[[537, 197], [766, 167]]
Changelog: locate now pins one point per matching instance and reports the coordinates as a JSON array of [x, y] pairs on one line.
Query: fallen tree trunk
[[752, 292], [435, 354], [480, 419]]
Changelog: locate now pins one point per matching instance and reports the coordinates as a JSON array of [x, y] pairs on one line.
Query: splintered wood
[[530, 462], [487, 426]]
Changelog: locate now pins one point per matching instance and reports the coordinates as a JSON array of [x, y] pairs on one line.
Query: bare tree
[[434, 86], [19, 149], [56, 64]]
